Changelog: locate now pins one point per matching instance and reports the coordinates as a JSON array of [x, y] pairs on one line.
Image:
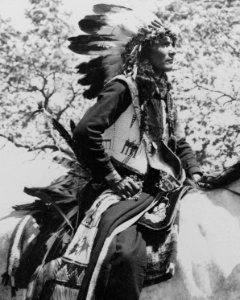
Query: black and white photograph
[[120, 150]]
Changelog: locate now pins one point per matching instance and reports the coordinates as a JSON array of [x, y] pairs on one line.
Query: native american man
[[133, 145], [132, 141]]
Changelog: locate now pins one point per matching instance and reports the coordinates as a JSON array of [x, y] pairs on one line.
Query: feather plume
[[112, 64], [63, 132], [108, 8], [95, 87], [94, 75], [109, 29], [92, 24], [89, 48], [72, 125], [84, 38], [89, 78], [92, 65]]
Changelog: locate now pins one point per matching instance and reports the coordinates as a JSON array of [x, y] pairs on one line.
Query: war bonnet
[[113, 34]]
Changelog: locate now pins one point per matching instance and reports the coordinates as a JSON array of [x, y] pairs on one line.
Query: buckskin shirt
[[113, 101], [108, 138]]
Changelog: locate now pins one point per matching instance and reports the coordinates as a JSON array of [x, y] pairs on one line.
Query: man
[[132, 141], [112, 102]]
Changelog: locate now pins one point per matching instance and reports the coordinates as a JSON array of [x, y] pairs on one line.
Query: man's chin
[[168, 68], [165, 68]]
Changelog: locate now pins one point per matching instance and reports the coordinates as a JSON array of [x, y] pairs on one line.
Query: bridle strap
[[234, 192], [48, 199]]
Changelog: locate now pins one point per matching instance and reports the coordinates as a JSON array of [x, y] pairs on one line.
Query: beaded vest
[[124, 143]]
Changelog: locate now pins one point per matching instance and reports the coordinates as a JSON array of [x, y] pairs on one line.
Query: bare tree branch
[[234, 49], [29, 148], [236, 98], [43, 90], [74, 95], [34, 148], [223, 94]]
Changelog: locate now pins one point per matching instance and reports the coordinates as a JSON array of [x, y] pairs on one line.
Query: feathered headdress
[[108, 32]]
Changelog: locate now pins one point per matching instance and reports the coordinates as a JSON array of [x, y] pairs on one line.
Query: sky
[[15, 9], [18, 165]]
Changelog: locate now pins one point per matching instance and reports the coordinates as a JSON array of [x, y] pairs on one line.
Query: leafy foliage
[[37, 72], [207, 80]]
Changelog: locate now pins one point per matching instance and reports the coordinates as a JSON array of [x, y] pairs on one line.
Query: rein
[[234, 192]]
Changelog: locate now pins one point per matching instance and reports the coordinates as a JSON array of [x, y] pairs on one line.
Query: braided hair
[[136, 62]]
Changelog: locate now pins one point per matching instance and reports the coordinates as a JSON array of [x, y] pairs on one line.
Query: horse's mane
[[227, 177]]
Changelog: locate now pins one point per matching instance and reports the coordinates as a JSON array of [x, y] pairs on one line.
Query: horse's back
[[208, 250]]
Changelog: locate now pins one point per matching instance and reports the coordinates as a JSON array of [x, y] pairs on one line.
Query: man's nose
[[172, 51]]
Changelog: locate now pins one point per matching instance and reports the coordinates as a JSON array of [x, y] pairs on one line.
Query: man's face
[[162, 55]]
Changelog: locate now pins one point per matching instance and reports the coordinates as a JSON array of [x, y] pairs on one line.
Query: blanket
[[24, 236], [75, 273]]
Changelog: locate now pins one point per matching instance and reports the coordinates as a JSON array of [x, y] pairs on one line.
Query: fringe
[[15, 252], [62, 293], [44, 275], [5, 278], [13, 292]]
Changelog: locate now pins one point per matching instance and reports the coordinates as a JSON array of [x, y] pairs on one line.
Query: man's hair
[[135, 59], [137, 49]]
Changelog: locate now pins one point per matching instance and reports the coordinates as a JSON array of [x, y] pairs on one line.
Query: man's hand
[[194, 180], [196, 177], [124, 187], [200, 181]]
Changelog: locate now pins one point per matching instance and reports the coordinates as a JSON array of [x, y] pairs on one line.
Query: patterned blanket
[[74, 274], [23, 237], [68, 277]]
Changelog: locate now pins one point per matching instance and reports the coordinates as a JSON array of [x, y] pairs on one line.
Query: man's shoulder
[[119, 85], [125, 83], [116, 85]]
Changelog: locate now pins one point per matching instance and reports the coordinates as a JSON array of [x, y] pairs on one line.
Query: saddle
[[160, 227], [162, 218], [164, 212]]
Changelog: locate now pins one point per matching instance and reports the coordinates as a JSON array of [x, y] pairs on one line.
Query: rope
[[48, 199], [234, 192]]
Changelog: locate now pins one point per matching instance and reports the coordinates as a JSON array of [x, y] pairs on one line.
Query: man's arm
[[188, 159], [185, 152], [112, 102]]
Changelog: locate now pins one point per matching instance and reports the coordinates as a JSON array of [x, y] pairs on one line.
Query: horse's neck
[[208, 241], [214, 207], [235, 186], [229, 201], [208, 249]]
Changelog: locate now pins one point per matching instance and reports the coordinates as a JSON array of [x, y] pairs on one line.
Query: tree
[[207, 83], [37, 72]]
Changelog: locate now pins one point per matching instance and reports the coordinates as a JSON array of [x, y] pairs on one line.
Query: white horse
[[208, 249]]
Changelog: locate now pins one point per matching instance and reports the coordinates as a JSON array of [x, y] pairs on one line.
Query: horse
[[208, 259]]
